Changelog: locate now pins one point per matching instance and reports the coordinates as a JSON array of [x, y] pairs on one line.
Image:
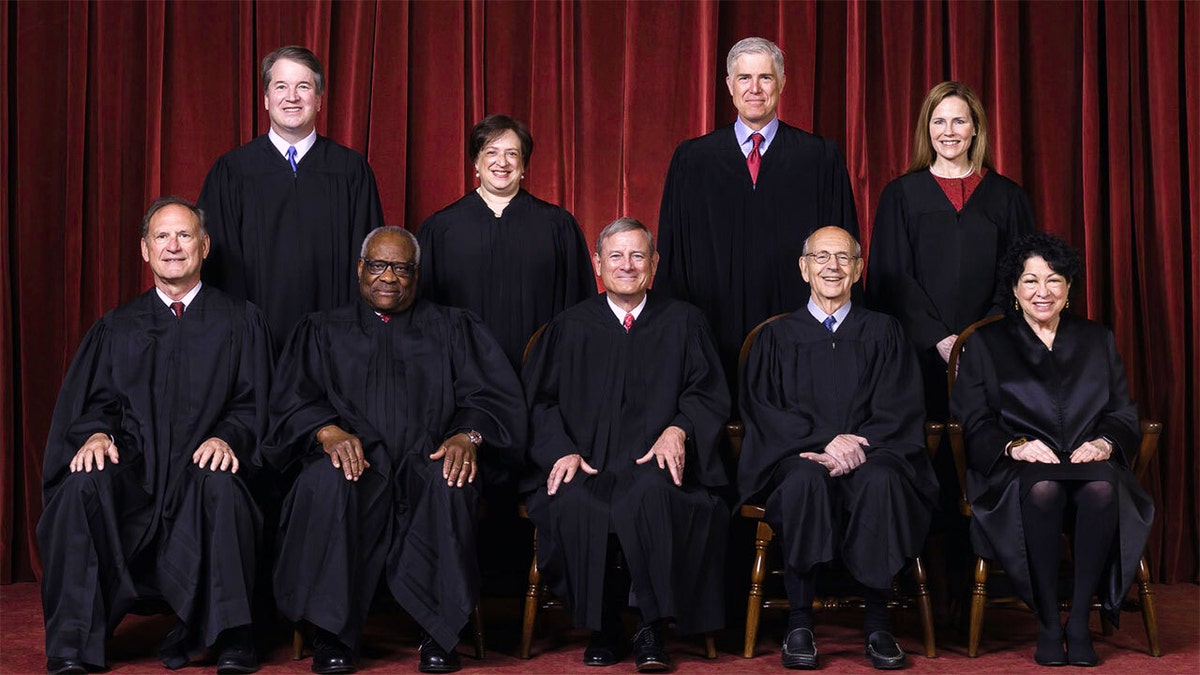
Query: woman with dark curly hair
[[1050, 431]]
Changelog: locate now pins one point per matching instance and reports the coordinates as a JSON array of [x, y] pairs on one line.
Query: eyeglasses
[[822, 257], [404, 270]]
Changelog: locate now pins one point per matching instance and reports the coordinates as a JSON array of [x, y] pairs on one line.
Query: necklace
[[968, 173]]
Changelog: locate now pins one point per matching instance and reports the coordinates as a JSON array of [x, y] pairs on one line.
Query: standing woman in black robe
[[509, 257], [1050, 429], [939, 231]]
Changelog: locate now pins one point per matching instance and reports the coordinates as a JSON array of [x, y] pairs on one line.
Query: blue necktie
[[829, 323], [291, 157]]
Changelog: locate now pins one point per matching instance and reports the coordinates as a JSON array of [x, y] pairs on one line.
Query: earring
[[1016, 305], [1068, 305], [477, 174]]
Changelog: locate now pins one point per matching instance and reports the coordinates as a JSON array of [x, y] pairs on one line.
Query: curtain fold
[[1094, 108]]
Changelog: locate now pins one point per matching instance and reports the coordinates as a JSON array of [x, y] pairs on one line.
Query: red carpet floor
[[391, 643]]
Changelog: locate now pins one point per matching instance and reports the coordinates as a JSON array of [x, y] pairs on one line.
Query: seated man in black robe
[[155, 427], [383, 404], [831, 399], [628, 399]]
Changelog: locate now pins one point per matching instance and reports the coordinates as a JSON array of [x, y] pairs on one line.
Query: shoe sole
[[653, 667], [801, 662]]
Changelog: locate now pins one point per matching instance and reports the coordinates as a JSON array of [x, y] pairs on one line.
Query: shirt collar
[[302, 146], [620, 313], [839, 315], [743, 135], [186, 299]]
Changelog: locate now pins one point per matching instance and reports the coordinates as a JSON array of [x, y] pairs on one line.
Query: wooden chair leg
[[757, 574], [710, 646], [477, 623], [924, 607], [533, 600], [978, 600], [297, 644], [1149, 615]]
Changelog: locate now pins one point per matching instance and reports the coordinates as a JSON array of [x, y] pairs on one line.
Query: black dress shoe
[[1050, 650], [173, 650], [649, 655], [604, 649], [883, 651], [330, 656], [800, 650], [237, 653], [434, 659], [57, 666], [1080, 651]]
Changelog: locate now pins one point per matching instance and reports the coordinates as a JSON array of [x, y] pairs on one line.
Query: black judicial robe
[[935, 269], [516, 272], [401, 387], [160, 386], [1009, 385], [732, 248], [801, 387], [288, 242], [596, 390]]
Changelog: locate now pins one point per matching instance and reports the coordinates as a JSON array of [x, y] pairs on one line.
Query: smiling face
[[175, 247], [831, 280], [1041, 292], [386, 292], [951, 130], [500, 165], [626, 266], [291, 99], [755, 88]]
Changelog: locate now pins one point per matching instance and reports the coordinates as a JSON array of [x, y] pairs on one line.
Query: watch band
[[475, 437]]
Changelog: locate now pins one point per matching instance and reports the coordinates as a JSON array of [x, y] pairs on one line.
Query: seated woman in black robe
[[1050, 428]]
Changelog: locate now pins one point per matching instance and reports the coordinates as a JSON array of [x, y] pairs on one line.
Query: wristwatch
[[1012, 445], [475, 437]]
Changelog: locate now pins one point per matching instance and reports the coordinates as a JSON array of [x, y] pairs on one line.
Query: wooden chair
[[983, 568], [538, 596], [756, 602]]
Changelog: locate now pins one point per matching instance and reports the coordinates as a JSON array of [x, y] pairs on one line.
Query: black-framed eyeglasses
[[404, 270], [822, 257]]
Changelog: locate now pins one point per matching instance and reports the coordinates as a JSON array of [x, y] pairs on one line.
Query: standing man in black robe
[[155, 427], [288, 210], [627, 400], [384, 404], [831, 400], [739, 202]]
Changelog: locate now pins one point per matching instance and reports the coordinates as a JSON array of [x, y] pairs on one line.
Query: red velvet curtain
[[1095, 109]]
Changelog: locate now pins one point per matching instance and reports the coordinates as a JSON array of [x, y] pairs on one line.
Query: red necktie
[[628, 323], [754, 158], [177, 307]]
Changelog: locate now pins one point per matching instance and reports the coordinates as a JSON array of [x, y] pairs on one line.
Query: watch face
[[475, 437]]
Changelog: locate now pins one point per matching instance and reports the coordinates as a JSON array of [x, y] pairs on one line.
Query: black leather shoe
[[649, 655], [434, 659], [1080, 651], [604, 649], [800, 650], [173, 651], [330, 656], [1050, 650], [57, 666], [884, 652], [237, 653]]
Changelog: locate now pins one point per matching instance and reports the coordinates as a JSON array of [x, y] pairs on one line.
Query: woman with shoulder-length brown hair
[[939, 230]]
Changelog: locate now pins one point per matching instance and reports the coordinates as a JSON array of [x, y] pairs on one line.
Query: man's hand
[[93, 452], [1034, 451], [824, 460], [845, 452], [1096, 450], [459, 464], [670, 452], [946, 346], [344, 450], [217, 454], [564, 470]]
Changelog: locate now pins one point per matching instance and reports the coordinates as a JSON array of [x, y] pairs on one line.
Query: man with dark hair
[[738, 203], [831, 400], [628, 401], [155, 428], [288, 210], [383, 405]]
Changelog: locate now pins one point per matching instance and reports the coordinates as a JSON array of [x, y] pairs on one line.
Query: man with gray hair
[[627, 401], [738, 203], [288, 210]]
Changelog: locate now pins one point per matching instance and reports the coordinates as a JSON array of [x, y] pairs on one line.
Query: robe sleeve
[[367, 214], [243, 422], [578, 277], [892, 284], [298, 403], [221, 200], [671, 279], [1018, 223], [843, 211], [1119, 420], [703, 404], [429, 241], [550, 439], [896, 417], [487, 393], [973, 403]]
